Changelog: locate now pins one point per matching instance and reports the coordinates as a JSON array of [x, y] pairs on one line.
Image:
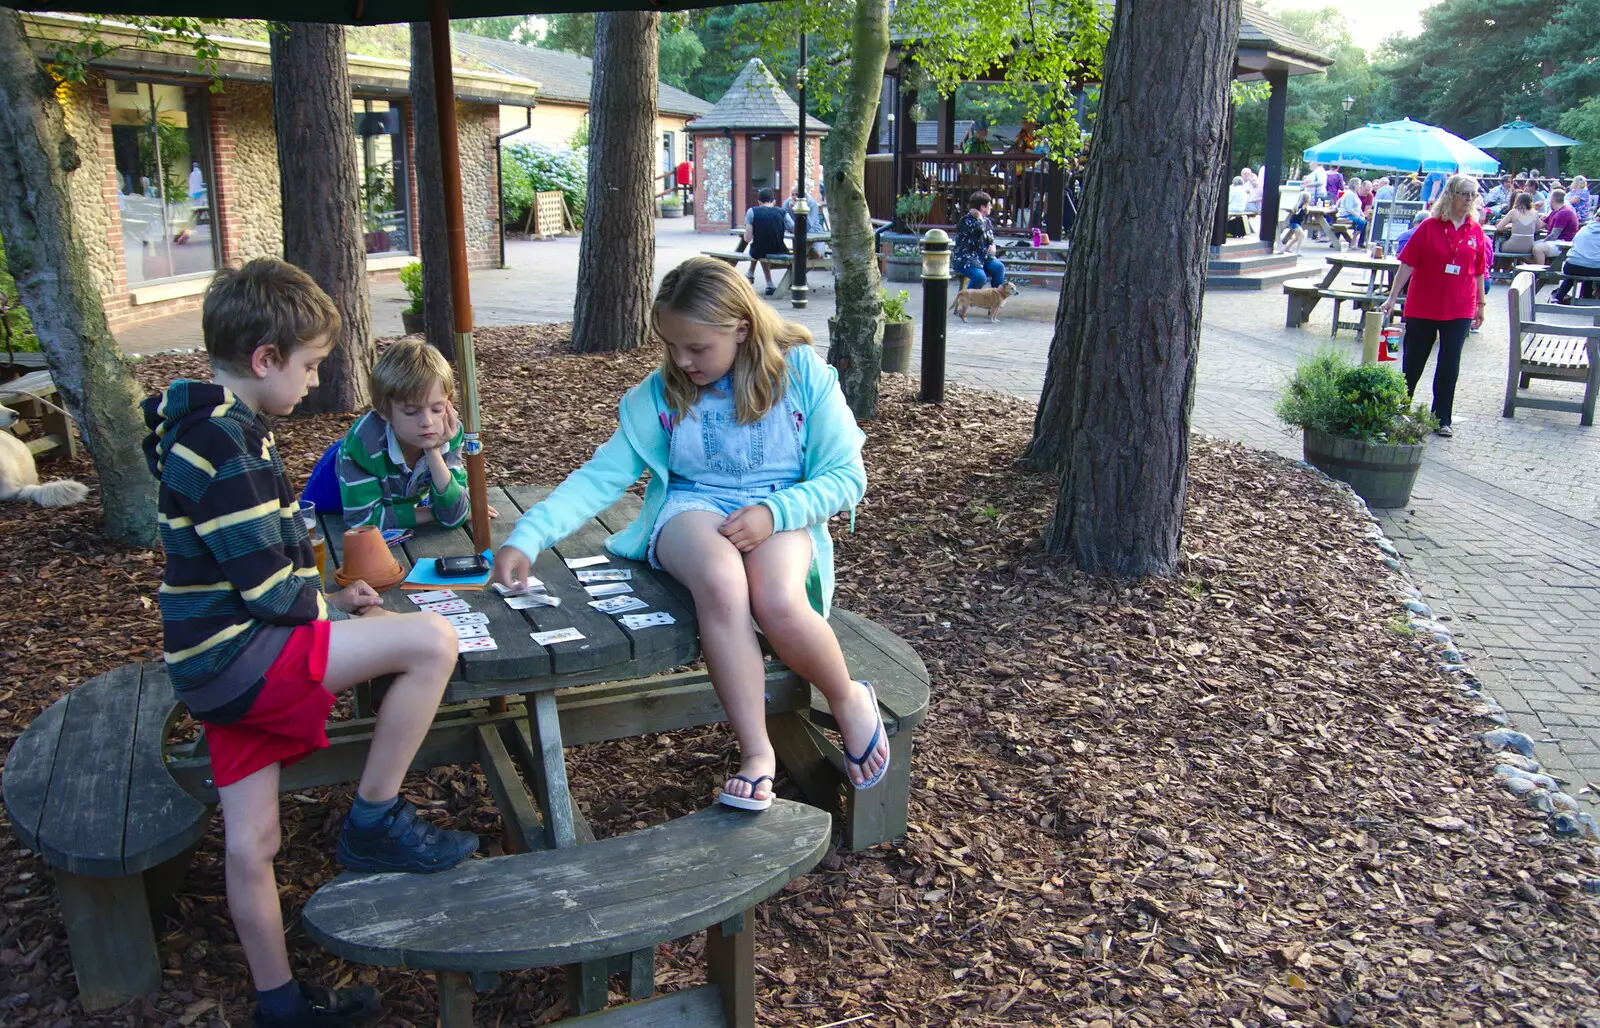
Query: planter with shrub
[[898, 329], [1360, 426], [411, 317], [670, 206]]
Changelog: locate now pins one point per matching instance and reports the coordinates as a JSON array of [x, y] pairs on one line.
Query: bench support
[[871, 816], [731, 965], [112, 939]]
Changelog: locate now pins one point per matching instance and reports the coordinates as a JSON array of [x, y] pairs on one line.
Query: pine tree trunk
[[322, 222], [1114, 414], [855, 332], [434, 246], [46, 256], [617, 255]]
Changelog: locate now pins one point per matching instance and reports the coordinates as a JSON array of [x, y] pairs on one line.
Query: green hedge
[[14, 315], [531, 168]]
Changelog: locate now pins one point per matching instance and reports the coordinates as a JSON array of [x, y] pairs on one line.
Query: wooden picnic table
[[1305, 294]]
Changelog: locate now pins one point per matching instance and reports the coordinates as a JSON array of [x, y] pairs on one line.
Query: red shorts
[[289, 718]]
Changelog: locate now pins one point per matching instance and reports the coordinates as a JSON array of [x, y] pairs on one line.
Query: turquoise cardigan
[[833, 477]]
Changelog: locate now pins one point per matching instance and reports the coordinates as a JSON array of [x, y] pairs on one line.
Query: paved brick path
[[1503, 533]]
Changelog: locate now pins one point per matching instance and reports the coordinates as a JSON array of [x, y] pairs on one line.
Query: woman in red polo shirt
[[1444, 263]]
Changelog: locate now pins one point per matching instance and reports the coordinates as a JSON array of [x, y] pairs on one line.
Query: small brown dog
[[990, 299]]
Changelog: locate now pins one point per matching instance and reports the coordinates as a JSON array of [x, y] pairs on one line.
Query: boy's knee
[[437, 637], [252, 844]]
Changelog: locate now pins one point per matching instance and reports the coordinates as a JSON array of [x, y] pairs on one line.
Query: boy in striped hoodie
[[255, 649]]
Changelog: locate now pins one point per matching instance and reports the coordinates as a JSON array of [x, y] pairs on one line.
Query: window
[[380, 160], [162, 149]]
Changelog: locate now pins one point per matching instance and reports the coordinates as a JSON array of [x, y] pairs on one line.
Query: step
[[1249, 264], [1269, 279], [1246, 247]]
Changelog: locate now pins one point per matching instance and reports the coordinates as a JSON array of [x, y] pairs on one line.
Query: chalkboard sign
[[1391, 218]]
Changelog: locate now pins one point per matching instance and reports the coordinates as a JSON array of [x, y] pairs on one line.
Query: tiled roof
[[1260, 31], [755, 101], [562, 77]]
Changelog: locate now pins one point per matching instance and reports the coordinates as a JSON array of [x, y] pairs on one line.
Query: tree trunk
[[855, 332], [434, 246], [1114, 414], [322, 222], [617, 254], [46, 257]]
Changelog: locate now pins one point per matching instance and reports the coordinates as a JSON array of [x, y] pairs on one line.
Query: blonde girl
[[751, 448]]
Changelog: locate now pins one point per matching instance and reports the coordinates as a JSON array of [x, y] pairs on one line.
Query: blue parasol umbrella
[[1520, 135], [1403, 145]]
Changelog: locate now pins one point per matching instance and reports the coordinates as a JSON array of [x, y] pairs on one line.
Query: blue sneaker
[[403, 842]]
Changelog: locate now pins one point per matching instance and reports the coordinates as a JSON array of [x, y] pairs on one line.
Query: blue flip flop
[[747, 802], [872, 744]]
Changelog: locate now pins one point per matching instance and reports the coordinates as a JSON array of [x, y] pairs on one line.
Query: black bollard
[[799, 292], [935, 297]]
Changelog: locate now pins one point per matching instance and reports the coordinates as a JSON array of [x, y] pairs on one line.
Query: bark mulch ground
[[1239, 796]]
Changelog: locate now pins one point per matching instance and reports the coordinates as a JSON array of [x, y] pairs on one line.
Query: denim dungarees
[[719, 465]]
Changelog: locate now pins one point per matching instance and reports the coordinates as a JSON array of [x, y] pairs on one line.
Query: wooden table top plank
[[604, 643], [29, 766], [163, 819], [565, 906], [86, 810], [619, 516]]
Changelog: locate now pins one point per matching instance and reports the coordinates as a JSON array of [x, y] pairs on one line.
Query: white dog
[[19, 478]]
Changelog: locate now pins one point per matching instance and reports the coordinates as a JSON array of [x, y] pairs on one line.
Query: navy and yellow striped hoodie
[[240, 570]]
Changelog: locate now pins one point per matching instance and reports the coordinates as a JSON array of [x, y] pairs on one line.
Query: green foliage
[[1044, 46], [16, 330], [512, 28], [679, 49], [1583, 123], [1332, 395], [912, 209], [894, 307], [532, 168], [411, 278], [69, 59]]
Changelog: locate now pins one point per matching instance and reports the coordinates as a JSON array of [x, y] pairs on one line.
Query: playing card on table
[[432, 596], [474, 618], [608, 589], [654, 618], [618, 604], [560, 635], [586, 562], [527, 600], [473, 645], [471, 631], [604, 575], [533, 586], [447, 607]]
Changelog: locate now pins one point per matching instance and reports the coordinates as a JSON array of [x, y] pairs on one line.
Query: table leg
[[111, 938], [731, 965], [544, 762], [455, 1000]]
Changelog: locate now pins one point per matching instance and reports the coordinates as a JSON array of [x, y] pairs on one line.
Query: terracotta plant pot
[[367, 558]]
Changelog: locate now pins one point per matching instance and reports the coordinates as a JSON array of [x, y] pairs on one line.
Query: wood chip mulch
[[1240, 796]]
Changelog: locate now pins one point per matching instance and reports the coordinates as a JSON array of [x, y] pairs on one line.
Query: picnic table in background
[[1363, 294], [1046, 262]]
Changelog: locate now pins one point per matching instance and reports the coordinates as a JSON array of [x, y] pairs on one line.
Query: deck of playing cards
[[618, 604], [533, 586], [604, 575], [447, 607], [559, 635], [608, 589], [526, 600], [651, 620]]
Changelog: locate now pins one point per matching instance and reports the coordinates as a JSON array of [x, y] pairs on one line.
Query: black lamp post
[[1347, 103]]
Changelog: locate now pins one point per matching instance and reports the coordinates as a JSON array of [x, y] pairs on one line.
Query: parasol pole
[[444, 93]]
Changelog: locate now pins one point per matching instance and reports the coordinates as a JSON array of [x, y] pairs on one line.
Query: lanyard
[[1460, 235]]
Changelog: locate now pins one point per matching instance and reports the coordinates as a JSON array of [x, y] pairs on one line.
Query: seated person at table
[[1583, 258], [1521, 222], [1294, 233], [1498, 200], [1405, 237], [974, 253], [1561, 225], [1350, 209], [1384, 191], [1580, 199], [764, 227], [407, 448], [751, 449], [253, 647], [1252, 190]]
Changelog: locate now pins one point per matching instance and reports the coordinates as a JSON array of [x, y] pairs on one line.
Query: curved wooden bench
[[585, 903], [87, 788]]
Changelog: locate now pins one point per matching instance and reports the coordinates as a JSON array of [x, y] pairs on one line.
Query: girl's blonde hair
[[1454, 184], [711, 292]]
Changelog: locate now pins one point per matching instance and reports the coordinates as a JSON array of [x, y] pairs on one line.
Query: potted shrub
[[671, 206], [897, 332], [411, 278], [911, 211], [1359, 425], [903, 263]]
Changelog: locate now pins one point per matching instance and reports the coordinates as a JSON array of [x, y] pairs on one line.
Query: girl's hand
[[511, 568], [355, 597], [748, 527]]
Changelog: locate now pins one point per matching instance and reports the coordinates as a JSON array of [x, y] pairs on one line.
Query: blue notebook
[[423, 576]]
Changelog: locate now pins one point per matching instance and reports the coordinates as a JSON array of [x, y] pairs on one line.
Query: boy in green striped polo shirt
[[255, 649]]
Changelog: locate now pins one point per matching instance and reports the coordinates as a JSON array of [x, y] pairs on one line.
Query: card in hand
[[447, 607], [604, 575], [533, 586], [432, 596], [474, 618], [527, 600], [586, 562], [476, 645], [471, 631], [608, 589], [559, 635], [618, 604]]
